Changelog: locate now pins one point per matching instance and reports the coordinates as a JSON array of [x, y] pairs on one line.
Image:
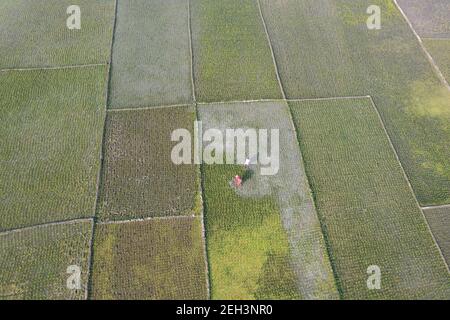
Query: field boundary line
[[427, 54], [239, 101], [438, 38], [329, 98], [409, 183], [191, 216], [73, 66], [112, 110], [311, 195], [200, 167], [283, 94], [191, 104], [47, 224], [88, 292], [191, 50], [443, 206]]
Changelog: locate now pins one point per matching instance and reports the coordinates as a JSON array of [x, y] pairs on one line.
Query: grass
[[139, 178], [232, 58], [429, 18], [367, 208], [50, 144], [439, 222], [34, 262], [324, 49], [439, 50], [153, 259], [28, 42], [151, 63], [264, 240]]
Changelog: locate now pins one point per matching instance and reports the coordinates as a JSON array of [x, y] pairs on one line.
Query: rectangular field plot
[[264, 238], [430, 19], [232, 58], [50, 141], [366, 206], [35, 33], [139, 178], [325, 49], [440, 51], [34, 263], [439, 221], [153, 259], [151, 63]]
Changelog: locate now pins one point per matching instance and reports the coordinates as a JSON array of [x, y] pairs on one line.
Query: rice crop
[[151, 57], [368, 211], [232, 58], [50, 142], [139, 178], [324, 49], [34, 262], [153, 259], [264, 239], [35, 33]]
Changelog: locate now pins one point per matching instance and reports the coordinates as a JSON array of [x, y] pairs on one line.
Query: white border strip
[[444, 206], [74, 66], [44, 225]]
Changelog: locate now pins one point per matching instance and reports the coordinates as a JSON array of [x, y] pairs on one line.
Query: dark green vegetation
[[365, 203], [50, 144], [430, 18], [154, 259], [34, 33], [232, 59], [324, 49], [151, 63], [439, 221], [264, 239], [440, 51], [139, 178], [34, 262]]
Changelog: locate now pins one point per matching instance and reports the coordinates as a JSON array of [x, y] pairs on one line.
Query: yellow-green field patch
[[153, 259]]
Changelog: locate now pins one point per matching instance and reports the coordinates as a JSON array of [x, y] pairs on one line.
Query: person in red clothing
[[237, 180]]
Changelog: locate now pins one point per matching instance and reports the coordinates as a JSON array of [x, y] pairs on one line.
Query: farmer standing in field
[[237, 180]]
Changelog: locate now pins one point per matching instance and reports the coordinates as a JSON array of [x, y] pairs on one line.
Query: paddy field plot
[[264, 239], [430, 19], [324, 49], [50, 142], [151, 58], [153, 259], [35, 33], [139, 178], [368, 211], [232, 58], [34, 262], [439, 221], [440, 51]]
